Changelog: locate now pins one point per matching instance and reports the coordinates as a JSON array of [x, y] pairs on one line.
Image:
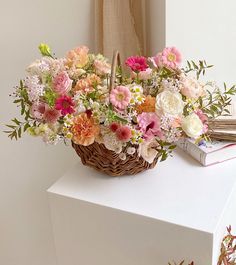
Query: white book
[[211, 152]]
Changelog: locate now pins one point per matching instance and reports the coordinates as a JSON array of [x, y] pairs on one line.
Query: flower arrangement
[[145, 113]]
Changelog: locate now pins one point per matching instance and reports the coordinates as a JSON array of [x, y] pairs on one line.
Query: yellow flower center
[[171, 57], [120, 96]]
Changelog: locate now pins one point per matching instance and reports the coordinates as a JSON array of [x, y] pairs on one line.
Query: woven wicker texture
[[100, 158]]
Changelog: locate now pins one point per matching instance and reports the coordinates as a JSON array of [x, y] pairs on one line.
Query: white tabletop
[[179, 191]]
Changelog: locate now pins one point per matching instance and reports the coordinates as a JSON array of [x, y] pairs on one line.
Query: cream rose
[[191, 87], [192, 125], [169, 102], [147, 150]]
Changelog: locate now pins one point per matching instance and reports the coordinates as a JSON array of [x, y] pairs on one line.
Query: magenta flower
[[65, 105], [137, 63], [120, 97], [169, 57], [149, 124]]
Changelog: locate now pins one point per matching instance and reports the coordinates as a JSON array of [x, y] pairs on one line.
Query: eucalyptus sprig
[[199, 68], [216, 102], [16, 128]]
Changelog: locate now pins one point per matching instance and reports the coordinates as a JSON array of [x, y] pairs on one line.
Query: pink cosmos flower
[[37, 110], [120, 97], [51, 115], [62, 83], [65, 105], [137, 63], [149, 124], [169, 57], [123, 133]]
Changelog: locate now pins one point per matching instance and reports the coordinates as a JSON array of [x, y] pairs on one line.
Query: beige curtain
[[120, 25]]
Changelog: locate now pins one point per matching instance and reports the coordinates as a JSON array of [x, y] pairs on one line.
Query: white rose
[[169, 102], [192, 125], [147, 150]]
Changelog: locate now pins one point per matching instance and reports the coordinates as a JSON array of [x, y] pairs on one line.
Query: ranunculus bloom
[[170, 103], [169, 57], [87, 84], [120, 97], [192, 125], [191, 87], [149, 124], [62, 83], [84, 129], [37, 110], [65, 105], [137, 63], [78, 57], [123, 133], [147, 106], [102, 67], [148, 150], [51, 115]]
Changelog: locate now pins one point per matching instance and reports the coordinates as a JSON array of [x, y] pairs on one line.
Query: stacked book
[[222, 146]]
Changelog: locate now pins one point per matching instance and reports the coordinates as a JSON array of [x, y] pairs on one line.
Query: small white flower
[[34, 88], [131, 150], [192, 125], [122, 156]]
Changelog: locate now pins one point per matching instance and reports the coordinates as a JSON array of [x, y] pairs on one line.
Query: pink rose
[[62, 83], [102, 67], [190, 87], [143, 75]]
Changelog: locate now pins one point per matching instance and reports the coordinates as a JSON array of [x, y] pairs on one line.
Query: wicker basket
[[100, 158]]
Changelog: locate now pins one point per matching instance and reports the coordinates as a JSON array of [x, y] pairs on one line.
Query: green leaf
[[26, 126]]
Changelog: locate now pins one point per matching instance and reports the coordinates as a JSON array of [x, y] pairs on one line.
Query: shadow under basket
[[100, 158]]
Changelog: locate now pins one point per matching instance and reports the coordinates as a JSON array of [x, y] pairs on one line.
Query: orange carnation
[[147, 106], [84, 129]]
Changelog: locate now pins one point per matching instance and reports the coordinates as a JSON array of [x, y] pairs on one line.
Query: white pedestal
[[179, 210]]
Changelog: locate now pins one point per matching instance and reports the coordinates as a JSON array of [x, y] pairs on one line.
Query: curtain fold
[[120, 25]]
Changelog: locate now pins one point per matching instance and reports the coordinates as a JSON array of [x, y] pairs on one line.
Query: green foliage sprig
[[199, 68]]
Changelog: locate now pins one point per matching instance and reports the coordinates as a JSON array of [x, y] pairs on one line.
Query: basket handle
[[115, 62]]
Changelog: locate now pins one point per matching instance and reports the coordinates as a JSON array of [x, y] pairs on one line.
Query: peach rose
[[191, 87], [78, 57]]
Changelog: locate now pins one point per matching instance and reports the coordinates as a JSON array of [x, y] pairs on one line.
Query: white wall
[[28, 167], [205, 29]]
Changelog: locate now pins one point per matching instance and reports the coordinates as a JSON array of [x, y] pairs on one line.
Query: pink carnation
[[65, 105], [51, 115], [137, 63], [123, 133], [37, 110], [149, 124], [169, 57], [62, 83], [120, 97]]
